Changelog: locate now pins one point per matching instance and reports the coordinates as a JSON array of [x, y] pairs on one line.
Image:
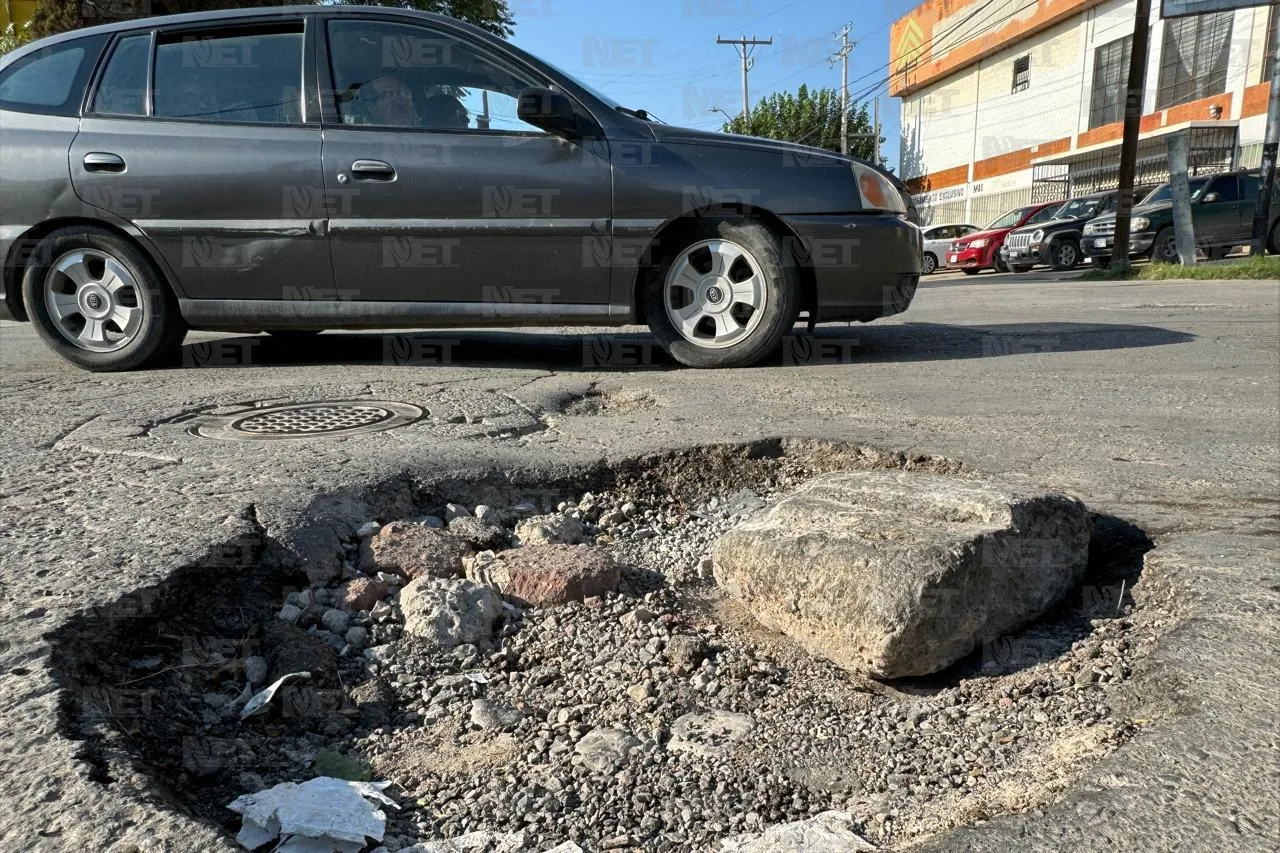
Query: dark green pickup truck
[[1222, 209]]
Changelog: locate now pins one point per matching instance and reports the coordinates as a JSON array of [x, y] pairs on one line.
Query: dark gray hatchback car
[[307, 168]]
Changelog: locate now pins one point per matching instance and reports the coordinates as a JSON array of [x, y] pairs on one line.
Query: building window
[[1273, 43], [1021, 74], [1110, 79], [1193, 63]]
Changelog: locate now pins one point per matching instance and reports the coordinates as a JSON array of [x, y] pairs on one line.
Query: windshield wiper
[[640, 114]]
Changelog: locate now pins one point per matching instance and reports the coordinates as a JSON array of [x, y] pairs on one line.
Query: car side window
[[1227, 188], [1252, 187], [237, 76], [50, 81], [407, 76], [122, 90]]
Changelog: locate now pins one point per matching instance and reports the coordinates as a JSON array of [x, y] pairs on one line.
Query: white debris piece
[[828, 832], [321, 815], [473, 842], [567, 847], [259, 701]]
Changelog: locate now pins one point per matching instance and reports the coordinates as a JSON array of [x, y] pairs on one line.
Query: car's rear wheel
[[930, 263], [971, 270], [1165, 249], [1273, 241], [99, 302], [726, 298], [1066, 255]]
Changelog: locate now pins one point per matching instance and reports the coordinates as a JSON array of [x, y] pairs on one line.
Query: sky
[[662, 56]]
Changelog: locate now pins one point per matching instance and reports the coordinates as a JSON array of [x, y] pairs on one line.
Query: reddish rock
[[362, 593], [414, 550], [550, 574]]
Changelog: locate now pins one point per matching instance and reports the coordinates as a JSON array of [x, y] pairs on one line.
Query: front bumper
[[1095, 246], [971, 258], [865, 267], [1036, 253]]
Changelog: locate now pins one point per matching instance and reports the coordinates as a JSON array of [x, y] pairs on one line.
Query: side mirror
[[549, 111], [1210, 198]]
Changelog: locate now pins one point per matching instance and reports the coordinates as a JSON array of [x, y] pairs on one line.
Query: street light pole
[[1132, 126]]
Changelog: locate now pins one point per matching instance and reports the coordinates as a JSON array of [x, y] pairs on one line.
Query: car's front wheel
[[1066, 255], [930, 263], [99, 302], [1165, 249], [1273, 242], [726, 298]]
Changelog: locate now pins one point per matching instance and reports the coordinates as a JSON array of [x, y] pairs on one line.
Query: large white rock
[[451, 612], [898, 574], [828, 832]]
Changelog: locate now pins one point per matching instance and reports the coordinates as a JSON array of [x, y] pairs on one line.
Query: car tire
[[1000, 265], [1273, 241], [971, 271], [702, 325], [1165, 248], [929, 264], [1065, 255], [99, 302]]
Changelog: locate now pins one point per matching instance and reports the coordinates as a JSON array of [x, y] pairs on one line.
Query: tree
[[12, 39], [56, 16], [808, 118]]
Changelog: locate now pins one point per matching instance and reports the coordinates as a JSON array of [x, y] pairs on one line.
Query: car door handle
[[373, 170], [102, 161]]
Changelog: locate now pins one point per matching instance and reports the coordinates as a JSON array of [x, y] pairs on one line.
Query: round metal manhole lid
[[309, 420]]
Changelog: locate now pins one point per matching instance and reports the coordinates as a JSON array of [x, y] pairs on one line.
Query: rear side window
[[122, 90], [50, 81], [231, 77]]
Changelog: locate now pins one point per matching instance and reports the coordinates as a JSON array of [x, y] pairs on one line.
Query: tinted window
[[239, 77], [50, 80], [1044, 215], [399, 75], [1079, 208], [1252, 186], [1165, 193], [123, 88], [1227, 188]]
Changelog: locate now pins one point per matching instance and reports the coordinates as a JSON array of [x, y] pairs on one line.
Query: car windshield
[[1009, 220], [1078, 208], [1165, 193], [1044, 215]]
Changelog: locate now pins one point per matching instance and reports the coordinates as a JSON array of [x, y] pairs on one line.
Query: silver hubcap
[[715, 294], [94, 301], [1067, 255], [929, 263]]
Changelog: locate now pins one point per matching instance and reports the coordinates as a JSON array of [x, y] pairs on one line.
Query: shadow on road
[[633, 350]]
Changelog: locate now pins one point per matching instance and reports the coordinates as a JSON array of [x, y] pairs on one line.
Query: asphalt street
[[1157, 402]]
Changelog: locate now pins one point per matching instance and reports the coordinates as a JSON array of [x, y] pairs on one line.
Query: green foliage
[[330, 762], [1252, 268], [56, 16], [809, 118], [12, 39]]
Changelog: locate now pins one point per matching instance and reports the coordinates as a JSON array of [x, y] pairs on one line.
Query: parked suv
[[320, 166], [979, 251], [1222, 209], [938, 240], [1056, 242]]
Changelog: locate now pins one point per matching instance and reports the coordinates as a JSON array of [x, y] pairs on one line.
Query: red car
[[981, 250]]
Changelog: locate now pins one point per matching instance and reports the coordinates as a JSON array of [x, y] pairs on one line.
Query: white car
[[937, 239]]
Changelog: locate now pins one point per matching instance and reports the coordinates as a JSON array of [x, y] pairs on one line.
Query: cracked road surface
[[1157, 402]]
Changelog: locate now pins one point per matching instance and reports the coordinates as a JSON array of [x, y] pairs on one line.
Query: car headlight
[[878, 192], [979, 243], [1088, 228], [1037, 236], [1139, 223]]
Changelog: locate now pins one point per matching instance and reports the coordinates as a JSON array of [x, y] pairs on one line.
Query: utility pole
[[744, 46], [876, 161], [1135, 89], [1270, 145], [846, 48]]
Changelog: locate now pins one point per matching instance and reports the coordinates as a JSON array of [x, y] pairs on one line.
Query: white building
[[1009, 101]]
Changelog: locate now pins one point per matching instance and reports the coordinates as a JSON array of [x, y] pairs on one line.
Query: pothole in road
[[488, 739]]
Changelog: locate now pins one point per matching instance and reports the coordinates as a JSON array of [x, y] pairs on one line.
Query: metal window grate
[[1110, 70], [1193, 61], [1021, 74]]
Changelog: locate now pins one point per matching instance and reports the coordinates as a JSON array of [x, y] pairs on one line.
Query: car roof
[[219, 15]]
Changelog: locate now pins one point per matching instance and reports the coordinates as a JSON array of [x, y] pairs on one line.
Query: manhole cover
[[309, 420]]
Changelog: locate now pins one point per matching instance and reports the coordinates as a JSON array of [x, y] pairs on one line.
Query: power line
[[744, 48]]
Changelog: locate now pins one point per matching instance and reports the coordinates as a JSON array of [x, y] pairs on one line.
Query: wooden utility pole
[[1135, 89], [744, 47], [842, 55]]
